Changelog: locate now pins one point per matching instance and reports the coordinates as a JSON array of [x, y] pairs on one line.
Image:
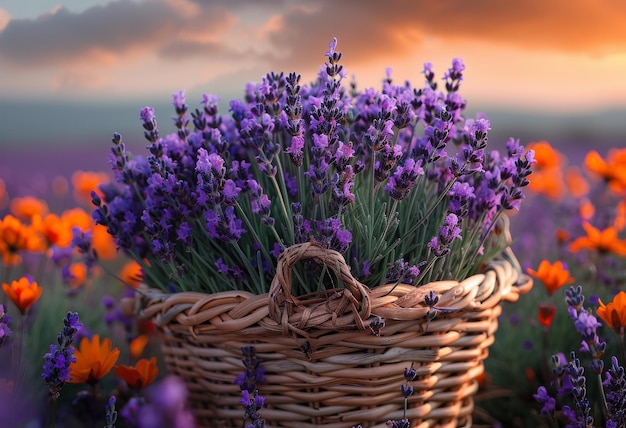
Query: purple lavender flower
[[403, 179], [585, 323], [460, 195], [148, 118], [110, 413], [165, 405], [615, 393], [454, 75], [5, 320], [447, 233], [548, 403], [402, 271], [56, 368], [247, 381], [323, 148], [579, 394], [81, 240]]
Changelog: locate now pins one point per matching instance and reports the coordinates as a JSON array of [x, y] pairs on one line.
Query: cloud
[[393, 28], [5, 17], [179, 29], [111, 32]]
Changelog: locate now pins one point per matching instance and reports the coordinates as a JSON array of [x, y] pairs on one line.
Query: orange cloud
[[4, 19], [396, 27]]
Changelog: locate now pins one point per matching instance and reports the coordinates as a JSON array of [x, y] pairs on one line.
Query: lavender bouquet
[[397, 180]]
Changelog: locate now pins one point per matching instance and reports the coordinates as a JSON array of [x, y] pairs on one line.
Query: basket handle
[[327, 309]]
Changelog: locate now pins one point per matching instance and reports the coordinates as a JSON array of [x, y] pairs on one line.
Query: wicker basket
[[323, 365]]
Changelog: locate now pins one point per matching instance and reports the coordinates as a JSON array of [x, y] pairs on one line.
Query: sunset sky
[[59, 60]]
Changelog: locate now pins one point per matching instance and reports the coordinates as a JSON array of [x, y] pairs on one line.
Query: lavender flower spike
[[56, 368], [5, 320]]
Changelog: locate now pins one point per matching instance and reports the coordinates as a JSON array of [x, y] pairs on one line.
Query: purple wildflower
[[247, 382], [151, 132], [5, 320], [401, 271], [81, 240], [454, 75], [403, 179], [166, 405], [615, 392], [110, 413], [56, 368], [448, 232], [548, 403]]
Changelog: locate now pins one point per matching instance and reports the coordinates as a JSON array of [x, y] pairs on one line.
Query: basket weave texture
[[323, 364]]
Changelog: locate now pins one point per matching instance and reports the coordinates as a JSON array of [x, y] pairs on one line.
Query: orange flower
[[605, 241], [614, 314], [547, 178], [76, 275], [139, 376], [93, 361], [587, 210], [548, 182], [28, 206], [612, 170], [86, 182], [14, 237], [103, 243], [137, 345], [131, 273], [553, 276], [546, 314], [562, 236], [545, 155], [77, 217], [23, 292], [53, 229], [577, 185]]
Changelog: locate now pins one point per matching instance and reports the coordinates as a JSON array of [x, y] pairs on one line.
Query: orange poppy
[[76, 275], [576, 184], [586, 209], [86, 182], [131, 274], [53, 229], [603, 241], [103, 243], [614, 313], [553, 276], [137, 345], [28, 206], [23, 292], [77, 217], [548, 182], [546, 156], [14, 237], [562, 236], [139, 376], [612, 170], [94, 360], [546, 314]]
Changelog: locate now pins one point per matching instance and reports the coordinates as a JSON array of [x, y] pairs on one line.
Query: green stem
[[282, 191], [620, 340], [605, 405], [53, 413]]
